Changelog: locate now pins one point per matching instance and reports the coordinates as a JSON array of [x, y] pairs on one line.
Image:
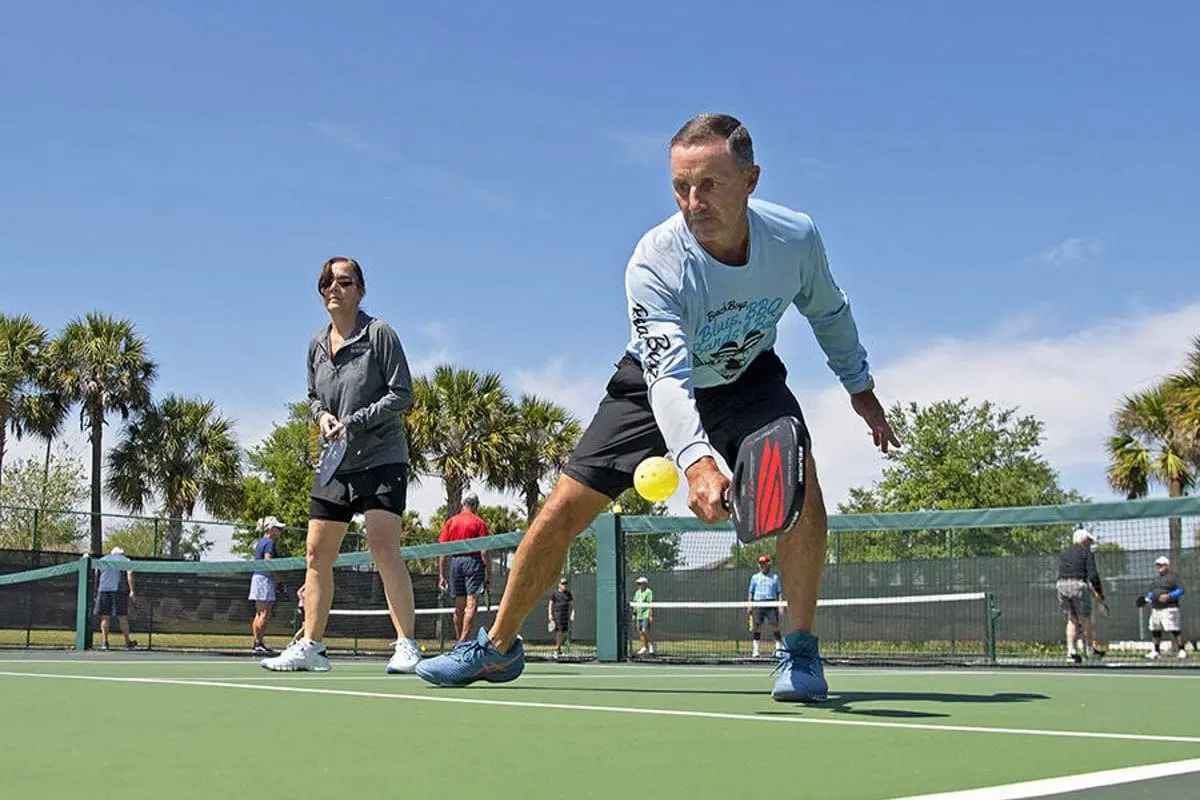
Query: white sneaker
[[754, 653], [651, 649], [1182, 654], [301, 656], [406, 657], [1153, 655], [642, 652], [780, 653]]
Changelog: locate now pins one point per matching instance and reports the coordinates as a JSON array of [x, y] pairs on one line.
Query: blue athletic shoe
[[474, 661], [801, 676]]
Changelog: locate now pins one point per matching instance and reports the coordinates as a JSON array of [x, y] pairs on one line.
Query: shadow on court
[[848, 702], [840, 702], [627, 690]]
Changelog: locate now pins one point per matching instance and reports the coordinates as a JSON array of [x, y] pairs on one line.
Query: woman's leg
[[324, 542], [384, 540]]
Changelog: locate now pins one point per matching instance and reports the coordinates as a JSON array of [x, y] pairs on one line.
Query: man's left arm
[[827, 309], [1177, 592]]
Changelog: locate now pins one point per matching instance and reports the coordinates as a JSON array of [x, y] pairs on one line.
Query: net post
[[610, 594], [992, 613], [81, 604]]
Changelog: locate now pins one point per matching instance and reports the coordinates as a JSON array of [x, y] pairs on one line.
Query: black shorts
[[623, 433], [762, 615], [112, 604], [384, 488], [467, 575], [562, 622]]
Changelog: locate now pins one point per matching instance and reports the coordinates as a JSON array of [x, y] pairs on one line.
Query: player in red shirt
[[469, 572]]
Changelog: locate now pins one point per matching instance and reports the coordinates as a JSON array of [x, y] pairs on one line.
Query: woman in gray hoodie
[[358, 388]]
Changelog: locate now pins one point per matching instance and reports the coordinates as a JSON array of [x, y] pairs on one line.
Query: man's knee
[[813, 517], [570, 508], [471, 602]]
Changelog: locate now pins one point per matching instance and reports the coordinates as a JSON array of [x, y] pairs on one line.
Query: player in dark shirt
[[561, 612], [1078, 581], [1163, 598]]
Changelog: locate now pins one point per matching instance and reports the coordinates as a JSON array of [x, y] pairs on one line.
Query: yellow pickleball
[[656, 479]]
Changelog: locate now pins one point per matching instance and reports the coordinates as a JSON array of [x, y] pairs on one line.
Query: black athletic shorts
[[766, 615], [384, 487], [112, 604], [623, 433]]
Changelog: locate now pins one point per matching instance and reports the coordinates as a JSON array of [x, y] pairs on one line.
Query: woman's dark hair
[[326, 278]]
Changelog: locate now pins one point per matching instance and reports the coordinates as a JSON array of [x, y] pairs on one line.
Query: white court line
[[1068, 783], [645, 669], [1169, 673], [659, 712], [528, 676]]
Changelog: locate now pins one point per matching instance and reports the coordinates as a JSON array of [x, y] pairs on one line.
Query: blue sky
[[1007, 193]]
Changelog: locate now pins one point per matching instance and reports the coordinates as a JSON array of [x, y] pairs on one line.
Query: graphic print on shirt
[[655, 345], [729, 338]]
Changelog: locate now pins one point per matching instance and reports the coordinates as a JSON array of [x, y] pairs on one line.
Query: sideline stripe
[[646, 670], [1069, 783], [660, 712]]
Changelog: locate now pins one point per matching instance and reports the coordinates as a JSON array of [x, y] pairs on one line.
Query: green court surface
[[139, 725]]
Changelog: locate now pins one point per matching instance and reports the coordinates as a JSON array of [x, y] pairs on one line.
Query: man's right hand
[[442, 584], [330, 427], [707, 488]]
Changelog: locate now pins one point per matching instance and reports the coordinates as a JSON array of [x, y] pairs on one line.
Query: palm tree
[[461, 428], [21, 343], [546, 433], [42, 415], [1147, 448], [183, 452], [103, 366], [1185, 391]]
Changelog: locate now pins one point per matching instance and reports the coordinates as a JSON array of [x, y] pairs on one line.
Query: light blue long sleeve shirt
[[697, 322], [764, 586]]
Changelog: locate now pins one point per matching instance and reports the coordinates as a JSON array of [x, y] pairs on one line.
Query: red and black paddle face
[[767, 491]]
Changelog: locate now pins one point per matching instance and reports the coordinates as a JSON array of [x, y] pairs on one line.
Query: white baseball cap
[[1082, 535], [116, 551], [642, 580], [1162, 561], [271, 523], [470, 499]]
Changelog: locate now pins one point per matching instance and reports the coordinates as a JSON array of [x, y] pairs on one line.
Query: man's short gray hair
[[707, 127], [470, 499]]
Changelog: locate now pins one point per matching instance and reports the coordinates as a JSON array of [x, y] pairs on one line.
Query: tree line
[[174, 453]]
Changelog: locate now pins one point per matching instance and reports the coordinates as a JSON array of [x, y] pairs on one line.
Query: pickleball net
[[206, 606], [937, 628]]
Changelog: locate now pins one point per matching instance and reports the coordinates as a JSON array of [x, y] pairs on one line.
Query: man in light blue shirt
[[764, 588], [112, 598], [705, 291]]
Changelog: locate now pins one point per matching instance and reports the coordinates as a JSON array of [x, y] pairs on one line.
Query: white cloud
[[579, 392], [347, 136], [642, 149], [432, 176], [1075, 250], [1071, 383], [438, 347]]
